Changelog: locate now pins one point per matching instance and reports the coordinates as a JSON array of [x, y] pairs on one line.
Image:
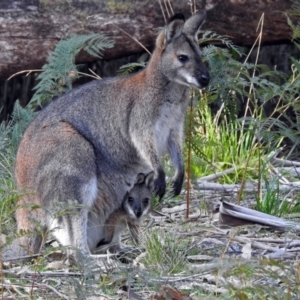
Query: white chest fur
[[171, 118]]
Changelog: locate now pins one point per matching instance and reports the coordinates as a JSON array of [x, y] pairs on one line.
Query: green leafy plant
[[227, 125], [217, 139], [60, 71]]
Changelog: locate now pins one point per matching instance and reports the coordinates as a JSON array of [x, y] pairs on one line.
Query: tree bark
[[30, 29]]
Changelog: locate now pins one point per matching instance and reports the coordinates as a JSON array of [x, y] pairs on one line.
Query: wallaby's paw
[[177, 185], [159, 184]]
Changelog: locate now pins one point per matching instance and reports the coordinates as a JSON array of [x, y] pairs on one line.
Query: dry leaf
[[167, 292]]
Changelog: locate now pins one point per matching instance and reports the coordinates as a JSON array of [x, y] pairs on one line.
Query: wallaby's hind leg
[[57, 165], [70, 227]]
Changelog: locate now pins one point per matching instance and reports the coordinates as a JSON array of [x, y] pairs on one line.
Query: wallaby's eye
[[130, 199], [146, 201], [183, 58]]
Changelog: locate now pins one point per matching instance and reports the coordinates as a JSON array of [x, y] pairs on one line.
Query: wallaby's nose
[[204, 79], [138, 212]]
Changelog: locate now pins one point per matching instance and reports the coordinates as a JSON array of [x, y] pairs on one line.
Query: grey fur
[[88, 146]]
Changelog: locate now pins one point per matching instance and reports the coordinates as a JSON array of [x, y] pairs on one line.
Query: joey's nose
[[204, 79]]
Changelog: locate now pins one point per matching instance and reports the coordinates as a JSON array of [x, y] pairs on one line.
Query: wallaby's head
[[179, 53], [137, 201]]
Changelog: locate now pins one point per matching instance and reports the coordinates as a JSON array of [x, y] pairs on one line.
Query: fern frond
[[60, 71], [209, 36], [131, 67]]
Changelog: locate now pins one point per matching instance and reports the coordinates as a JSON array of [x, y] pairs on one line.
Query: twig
[[292, 170], [20, 257], [204, 268], [167, 10], [15, 288], [96, 75], [132, 37], [176, 209], [171, 8], [254, 244], [203, 185], [188, 185], [210, 288], [24, 71], [44, 285], [285, 163], [274, 241], [281, 178], [217, 175], [46, 273], [222, 187], [89, 75], [162, 10]]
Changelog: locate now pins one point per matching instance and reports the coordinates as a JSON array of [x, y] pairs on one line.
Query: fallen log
[[30, 29]]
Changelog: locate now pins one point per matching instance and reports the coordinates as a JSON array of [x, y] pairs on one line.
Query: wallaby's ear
[[172, 30], [174, 27], [149, 178], [140, 178], [193, 24]]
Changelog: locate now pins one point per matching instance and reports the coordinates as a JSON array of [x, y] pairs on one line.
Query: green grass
[[219, 145], [164, 254]]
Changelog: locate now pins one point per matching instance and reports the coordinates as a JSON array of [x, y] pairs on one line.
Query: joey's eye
[[146, 201], [183, 58], [130, 199]]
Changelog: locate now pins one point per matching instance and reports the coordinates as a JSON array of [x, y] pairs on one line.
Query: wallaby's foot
[[177, 183], [159, 184]]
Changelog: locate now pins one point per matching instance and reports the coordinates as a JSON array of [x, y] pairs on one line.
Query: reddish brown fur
[[28, 159]]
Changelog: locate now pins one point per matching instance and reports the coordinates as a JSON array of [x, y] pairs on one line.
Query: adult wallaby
[[135, 207], [88, 145]]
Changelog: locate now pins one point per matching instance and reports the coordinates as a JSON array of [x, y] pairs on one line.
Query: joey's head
[[181, 59], [137, 202]]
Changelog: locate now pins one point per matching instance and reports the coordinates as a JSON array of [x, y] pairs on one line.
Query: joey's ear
[[140, 178], [172, 30], [149, 179], [193, 24]]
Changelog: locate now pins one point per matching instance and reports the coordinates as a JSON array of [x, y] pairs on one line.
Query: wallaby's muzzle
[[138, 211], [204, 79]]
